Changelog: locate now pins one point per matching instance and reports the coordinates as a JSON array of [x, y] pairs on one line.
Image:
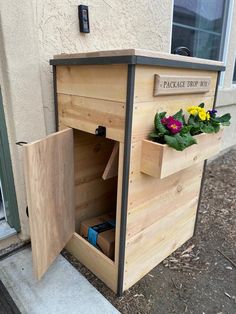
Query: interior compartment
[[96, 163]]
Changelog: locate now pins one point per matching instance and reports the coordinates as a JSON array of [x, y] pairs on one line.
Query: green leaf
[[186, 129], [189, 140], [216, 127], [162, 114], [226, 123], [159, 126], [207, 128], [173, 142], [223, 119], [179, 116], [202, 105], [180, 142], [154, 134]]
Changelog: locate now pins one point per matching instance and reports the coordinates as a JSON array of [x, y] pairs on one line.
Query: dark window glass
[[234, 76], [199, 25]]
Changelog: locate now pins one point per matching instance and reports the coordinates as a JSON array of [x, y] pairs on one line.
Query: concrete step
[[62, 289]]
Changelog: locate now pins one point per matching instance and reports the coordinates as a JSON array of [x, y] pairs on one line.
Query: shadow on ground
[[197, 278]]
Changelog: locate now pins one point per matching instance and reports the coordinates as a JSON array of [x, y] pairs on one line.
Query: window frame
[[234, 70], [225, 22]]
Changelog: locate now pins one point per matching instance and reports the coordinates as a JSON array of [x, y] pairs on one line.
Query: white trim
[[227, 39], [171, 25]]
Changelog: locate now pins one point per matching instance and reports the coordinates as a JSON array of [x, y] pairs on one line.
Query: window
[[200, 25], [234, 73]]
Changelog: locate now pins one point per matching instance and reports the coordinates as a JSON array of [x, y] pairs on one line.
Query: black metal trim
[[94, 60], [137, 60], [54, 71], [125, 179], [205, 162]]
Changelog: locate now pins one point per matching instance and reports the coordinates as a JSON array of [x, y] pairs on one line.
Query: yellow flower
[[202, 115], [208, 116], [193, 110]]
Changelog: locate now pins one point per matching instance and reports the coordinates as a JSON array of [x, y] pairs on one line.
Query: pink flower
[[173, 125]]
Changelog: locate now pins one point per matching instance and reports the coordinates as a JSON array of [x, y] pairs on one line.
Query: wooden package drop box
[[101, 161]]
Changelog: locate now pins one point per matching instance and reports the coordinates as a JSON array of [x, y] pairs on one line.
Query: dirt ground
[[200, 277]]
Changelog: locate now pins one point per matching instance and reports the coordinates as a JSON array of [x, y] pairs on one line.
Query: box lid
[[137, 56]]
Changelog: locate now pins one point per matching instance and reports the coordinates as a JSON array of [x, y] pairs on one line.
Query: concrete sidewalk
[[62, 290]]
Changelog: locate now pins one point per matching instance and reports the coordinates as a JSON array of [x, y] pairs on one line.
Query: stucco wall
[[33, 31]]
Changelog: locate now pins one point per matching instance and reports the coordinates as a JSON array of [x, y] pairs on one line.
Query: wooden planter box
[[74, 175], [160, 161]]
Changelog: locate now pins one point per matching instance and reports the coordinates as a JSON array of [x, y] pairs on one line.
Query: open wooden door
[[49, 171]]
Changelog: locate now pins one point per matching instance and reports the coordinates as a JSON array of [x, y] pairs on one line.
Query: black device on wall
[[84, 19]]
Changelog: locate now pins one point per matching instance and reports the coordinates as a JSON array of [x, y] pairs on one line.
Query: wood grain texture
[[160, 161], [49, 169], [136, 270], [111, 169], [86, 114], [103, 267], [161, 212], [144, 80], [95, 81]]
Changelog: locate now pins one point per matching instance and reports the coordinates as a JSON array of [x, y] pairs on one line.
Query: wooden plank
[[151, 211], [87, 113], [144, 80], [143, 188], [95, 81], [49, 169], [160, 161], [135, 271], [144, 241], [103, 267], [111, 169]]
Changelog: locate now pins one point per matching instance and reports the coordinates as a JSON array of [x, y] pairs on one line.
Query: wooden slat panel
[[143, 188], [143, 242], [94, 260], [49, 168], [164, 203], [96, 81], [135, 271], [144, 80], [87, 113]]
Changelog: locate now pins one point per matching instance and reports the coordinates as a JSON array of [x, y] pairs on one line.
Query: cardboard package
[[106, 239]]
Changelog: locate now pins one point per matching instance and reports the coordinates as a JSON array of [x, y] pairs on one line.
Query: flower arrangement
[[178, 130]]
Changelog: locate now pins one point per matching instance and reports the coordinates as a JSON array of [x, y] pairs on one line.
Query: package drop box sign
[[101, 161]]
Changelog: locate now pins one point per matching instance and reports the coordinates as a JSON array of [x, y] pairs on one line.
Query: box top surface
[[137, 56]]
